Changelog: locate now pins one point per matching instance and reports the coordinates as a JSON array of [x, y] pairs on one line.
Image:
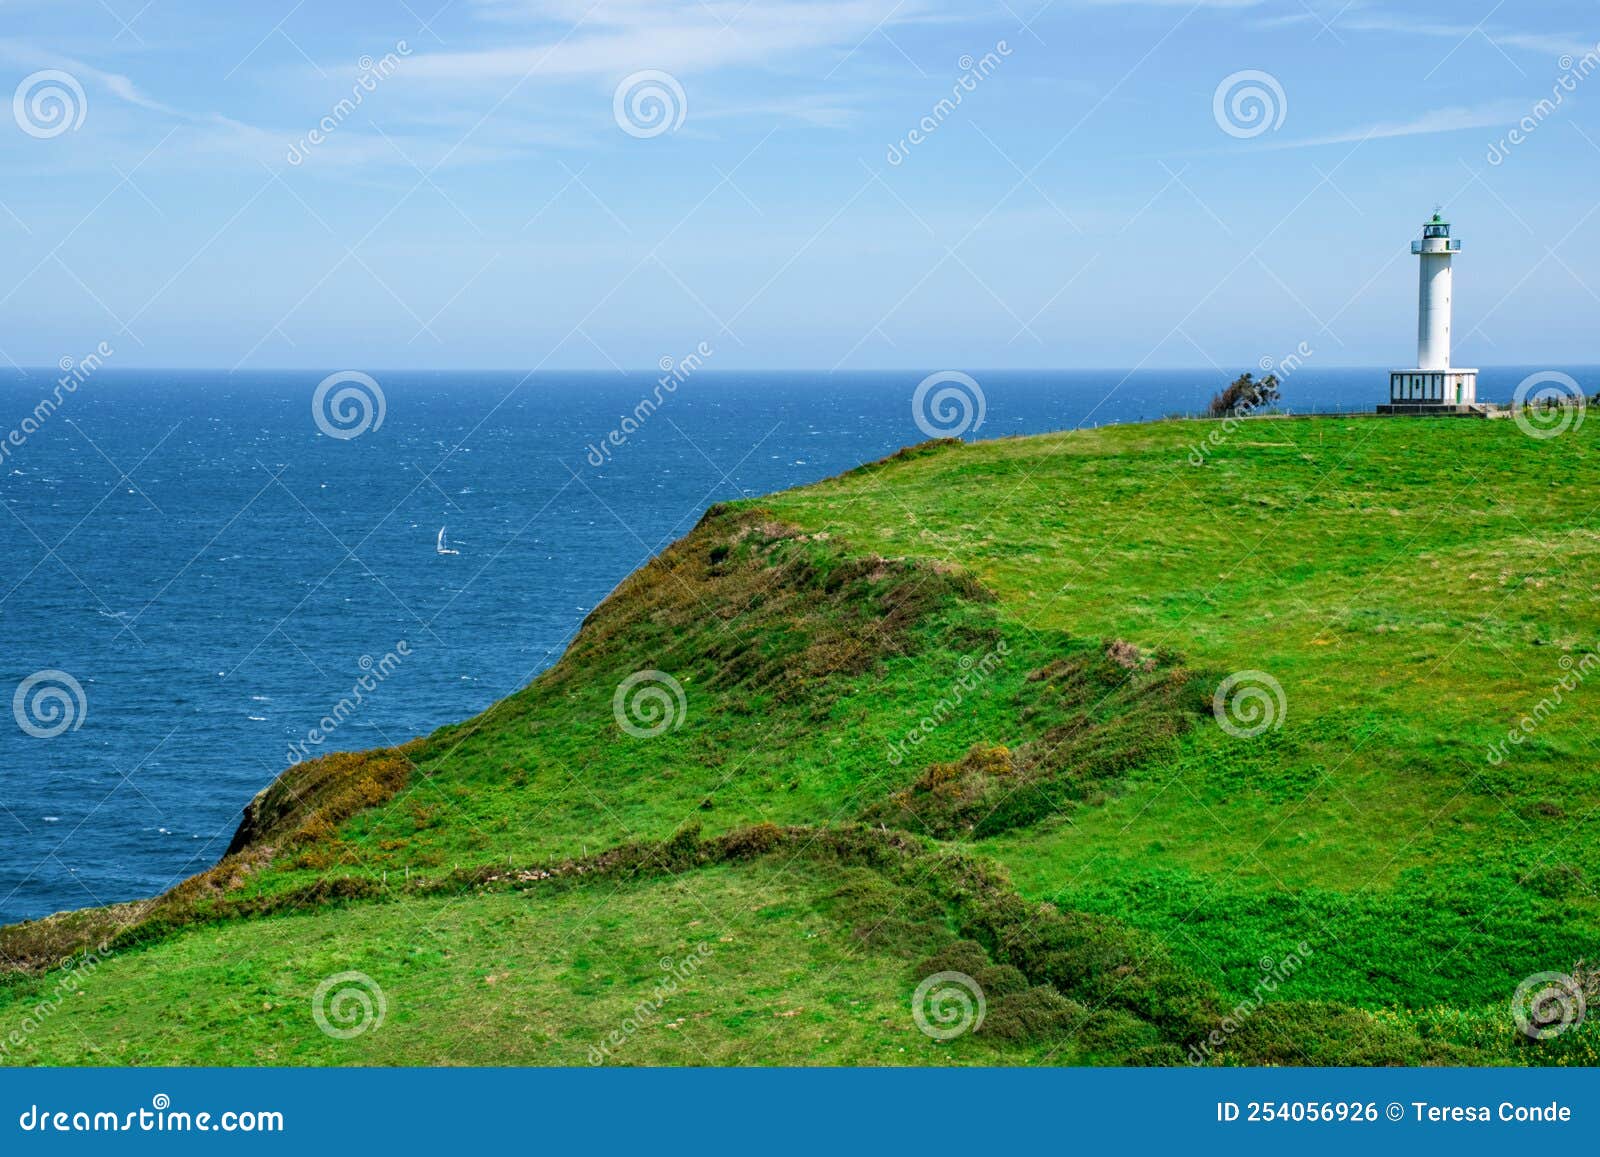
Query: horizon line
[[707, 371]]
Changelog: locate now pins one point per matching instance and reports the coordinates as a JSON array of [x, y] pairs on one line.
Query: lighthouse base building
[[1434, 386], [1432, 391]]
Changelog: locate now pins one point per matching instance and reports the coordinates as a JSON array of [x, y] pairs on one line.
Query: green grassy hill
[[954, 712]]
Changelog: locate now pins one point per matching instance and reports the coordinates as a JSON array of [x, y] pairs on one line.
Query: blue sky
[[1091, 201]]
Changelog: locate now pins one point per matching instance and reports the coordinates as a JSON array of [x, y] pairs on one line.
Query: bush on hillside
[[1245, 395], [1033, 1014]]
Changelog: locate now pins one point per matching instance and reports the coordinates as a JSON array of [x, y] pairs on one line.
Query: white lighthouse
[[1434, 385]]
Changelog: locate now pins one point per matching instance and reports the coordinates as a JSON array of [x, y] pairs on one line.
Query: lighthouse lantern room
[[1433, 385]]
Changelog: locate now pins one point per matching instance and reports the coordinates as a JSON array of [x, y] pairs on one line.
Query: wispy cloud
[[1444, 120], [1364, 19], [26, 55], [615, 38]]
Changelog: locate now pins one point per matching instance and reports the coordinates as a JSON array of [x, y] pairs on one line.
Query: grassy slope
[[1411, 585], [514, 980]]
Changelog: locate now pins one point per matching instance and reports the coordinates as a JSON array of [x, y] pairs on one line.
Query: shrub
[[1038, 1014], [1096, 712], [1118, 1037], [1245, 394], [1320, 1033]]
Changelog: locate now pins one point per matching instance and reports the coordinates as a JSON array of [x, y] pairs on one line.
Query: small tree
[[1245, 395]]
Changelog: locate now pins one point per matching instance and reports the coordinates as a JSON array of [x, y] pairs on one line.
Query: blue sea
[[195, 570]]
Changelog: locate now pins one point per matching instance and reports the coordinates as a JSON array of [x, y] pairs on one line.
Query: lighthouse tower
[[1434, 385]]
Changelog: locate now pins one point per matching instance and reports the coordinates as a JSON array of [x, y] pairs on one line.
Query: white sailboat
[[442, 546]]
